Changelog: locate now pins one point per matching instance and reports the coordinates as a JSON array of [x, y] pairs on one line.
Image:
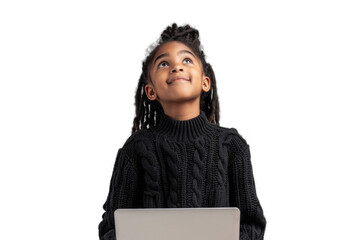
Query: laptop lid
[[177, 224]]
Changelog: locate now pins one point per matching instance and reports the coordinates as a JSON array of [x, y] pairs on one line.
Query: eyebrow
[[167, 54]]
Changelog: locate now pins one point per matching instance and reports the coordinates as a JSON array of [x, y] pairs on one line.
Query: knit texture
[[185, 164]]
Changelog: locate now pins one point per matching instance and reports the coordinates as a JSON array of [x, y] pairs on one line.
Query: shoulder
[[132, 143], [239, 140], [140, 135], [231, 135]]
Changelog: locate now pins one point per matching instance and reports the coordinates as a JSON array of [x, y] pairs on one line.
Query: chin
[[184, 98]]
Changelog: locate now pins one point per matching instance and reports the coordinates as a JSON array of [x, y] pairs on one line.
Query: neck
[[184, 130], [182, 110]]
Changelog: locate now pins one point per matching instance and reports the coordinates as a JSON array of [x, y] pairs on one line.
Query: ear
[[150, 92], [206, 84]]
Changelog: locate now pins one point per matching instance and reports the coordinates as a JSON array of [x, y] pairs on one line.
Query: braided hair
[[148, 112]]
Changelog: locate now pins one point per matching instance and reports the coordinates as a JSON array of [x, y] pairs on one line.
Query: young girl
[[178, 156]]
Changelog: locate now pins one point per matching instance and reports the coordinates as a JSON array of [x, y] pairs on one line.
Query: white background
[[289, 76]]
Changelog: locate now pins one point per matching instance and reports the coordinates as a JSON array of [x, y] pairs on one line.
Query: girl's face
[[176, 75]]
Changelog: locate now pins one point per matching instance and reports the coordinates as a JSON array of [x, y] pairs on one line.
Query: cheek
[[159, 78], [197, 73]]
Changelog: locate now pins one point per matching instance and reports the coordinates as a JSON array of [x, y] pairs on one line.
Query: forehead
[[172, 47]]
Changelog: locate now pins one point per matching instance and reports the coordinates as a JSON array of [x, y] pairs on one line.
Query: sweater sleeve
[[122, 194], [243, 193]]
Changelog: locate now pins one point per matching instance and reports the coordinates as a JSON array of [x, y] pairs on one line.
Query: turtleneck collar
[[182, 130]]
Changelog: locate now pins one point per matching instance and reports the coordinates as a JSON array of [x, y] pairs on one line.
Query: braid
[[209, 101], [147, 113]]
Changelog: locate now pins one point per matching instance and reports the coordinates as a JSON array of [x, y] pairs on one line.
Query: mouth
[[178, 78]]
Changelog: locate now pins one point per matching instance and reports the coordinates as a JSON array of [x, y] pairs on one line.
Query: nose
[[176, 68]]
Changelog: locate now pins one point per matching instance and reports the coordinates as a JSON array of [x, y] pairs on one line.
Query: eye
[[162, 64], [188, 60]]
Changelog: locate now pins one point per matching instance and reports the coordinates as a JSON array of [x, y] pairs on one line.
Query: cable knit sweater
[[185, 164]]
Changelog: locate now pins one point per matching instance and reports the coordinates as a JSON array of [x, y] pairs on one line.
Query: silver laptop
[[177, 224]]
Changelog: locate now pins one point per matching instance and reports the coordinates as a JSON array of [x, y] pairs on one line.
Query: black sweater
[[185, 164]]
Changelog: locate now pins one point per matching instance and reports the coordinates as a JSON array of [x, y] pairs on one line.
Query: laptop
[[177, 224]]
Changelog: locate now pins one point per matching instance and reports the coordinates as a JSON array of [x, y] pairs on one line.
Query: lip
[[171, 80]]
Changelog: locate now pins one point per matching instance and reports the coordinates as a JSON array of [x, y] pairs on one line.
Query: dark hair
[[148, 112]]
